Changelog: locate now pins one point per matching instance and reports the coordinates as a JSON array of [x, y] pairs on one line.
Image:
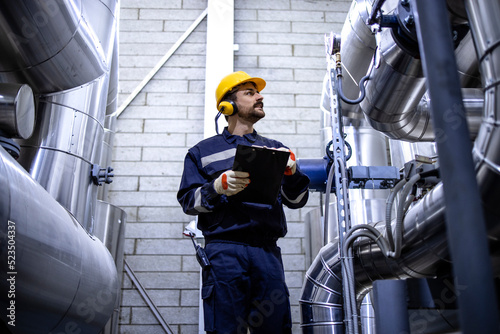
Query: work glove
[[231, 182], [291, 165]]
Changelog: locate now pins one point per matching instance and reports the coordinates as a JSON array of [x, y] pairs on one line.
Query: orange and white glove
[[231, 182], [291, 165]]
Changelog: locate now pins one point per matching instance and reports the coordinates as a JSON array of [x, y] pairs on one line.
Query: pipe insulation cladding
[[62, 278], [76, 278], [55, 45], [397, 104]]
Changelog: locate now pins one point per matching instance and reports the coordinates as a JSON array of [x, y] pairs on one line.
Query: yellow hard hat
[[234, 79]]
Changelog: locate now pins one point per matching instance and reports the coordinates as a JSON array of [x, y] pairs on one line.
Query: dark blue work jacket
[[224, 217]]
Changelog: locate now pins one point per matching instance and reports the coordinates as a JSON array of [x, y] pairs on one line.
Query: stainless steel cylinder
[[17, 110], [66, 143]]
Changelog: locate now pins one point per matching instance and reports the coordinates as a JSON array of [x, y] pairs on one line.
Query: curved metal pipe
[[321, 301], [421, 127], [53, 45], [483, 17], [395, 102], [395, 87], [62, 277]]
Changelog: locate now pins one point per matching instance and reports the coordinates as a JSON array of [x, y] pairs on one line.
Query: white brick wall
[[280, 40]]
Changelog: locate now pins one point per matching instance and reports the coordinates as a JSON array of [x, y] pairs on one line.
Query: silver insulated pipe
[[392, 103], [485, 28], [66, 279], [358, 43], [395, 103], [55, 45], [395, 87], [55, 276]]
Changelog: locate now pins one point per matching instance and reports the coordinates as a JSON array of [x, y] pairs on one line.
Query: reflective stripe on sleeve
[[297, 200], [218, 157], [197, 202]]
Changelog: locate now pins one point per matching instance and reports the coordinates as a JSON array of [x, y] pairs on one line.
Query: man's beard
[[253, 115]]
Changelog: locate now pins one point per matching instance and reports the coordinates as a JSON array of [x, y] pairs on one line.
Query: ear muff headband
[[228, 108]]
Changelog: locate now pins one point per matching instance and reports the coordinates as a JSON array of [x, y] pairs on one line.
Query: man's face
[[250, 103]]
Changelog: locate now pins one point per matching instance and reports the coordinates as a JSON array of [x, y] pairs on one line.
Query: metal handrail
[[147, 298], [162, 61]]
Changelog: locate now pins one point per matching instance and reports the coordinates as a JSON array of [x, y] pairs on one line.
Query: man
[[244, 288]]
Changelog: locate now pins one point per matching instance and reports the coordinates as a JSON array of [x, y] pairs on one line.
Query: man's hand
[[291, 165], [231, 182]]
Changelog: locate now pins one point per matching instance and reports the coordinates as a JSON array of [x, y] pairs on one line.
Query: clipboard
[[266, 167]]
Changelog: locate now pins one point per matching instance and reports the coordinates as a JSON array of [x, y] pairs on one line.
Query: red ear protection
[[227, 108]]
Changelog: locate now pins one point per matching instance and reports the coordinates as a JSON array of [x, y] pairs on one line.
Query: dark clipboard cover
[[266, 167]]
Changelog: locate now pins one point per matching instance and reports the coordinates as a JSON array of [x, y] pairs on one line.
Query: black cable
[[377, 5], [361, 89], [216, 122]]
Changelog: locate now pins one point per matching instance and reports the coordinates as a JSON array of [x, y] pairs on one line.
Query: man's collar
[[251, 137]]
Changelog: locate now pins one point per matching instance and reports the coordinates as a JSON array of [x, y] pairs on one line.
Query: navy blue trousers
[[245, 289]]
